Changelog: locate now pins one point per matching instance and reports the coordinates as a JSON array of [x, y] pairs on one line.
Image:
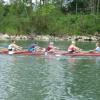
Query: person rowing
[[32, 47], [73, 49], [35, 48], [97, 49], [13, 47], [51, 47]]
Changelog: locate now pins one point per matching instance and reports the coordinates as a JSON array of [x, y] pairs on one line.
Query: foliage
[[80, 17]]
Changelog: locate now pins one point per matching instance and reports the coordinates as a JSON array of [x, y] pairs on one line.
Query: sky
[[66, 1], [7, 1]]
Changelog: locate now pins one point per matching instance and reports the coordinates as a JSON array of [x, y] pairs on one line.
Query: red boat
[[22, 53], [65, 53], [81, 54]]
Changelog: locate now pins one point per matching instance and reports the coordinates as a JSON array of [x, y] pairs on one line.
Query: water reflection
[[54, 84], [97, 61], [49, 78], [69, 66], [5, 70], [83, 74]]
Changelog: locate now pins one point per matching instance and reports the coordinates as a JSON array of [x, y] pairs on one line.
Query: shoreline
[[95, 38]]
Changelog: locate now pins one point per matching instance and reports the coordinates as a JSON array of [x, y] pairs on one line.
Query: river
[[49, 77]]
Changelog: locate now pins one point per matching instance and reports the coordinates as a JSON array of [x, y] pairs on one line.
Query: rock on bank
[[48, 37]]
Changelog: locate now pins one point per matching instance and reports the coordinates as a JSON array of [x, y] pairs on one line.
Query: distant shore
[[48, 37]]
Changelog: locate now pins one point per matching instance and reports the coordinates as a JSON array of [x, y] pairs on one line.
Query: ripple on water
[[49, 78]]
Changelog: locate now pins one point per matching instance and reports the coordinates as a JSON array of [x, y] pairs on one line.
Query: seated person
[[97, 49], [51, 48], [72, 48], [13, 47], [34, 47]]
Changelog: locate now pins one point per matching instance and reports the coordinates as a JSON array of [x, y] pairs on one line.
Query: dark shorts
[[71, 51], [9, 49]]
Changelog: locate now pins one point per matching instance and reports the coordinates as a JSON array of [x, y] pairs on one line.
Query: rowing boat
[[22, 53], [81, 54], [64, 53]]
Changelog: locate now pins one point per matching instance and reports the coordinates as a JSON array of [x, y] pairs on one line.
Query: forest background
[[50, 17]]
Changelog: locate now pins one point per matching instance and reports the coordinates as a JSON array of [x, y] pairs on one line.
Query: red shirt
[[71, 48], [50, 47]]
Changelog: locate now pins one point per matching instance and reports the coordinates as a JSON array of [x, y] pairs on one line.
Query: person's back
[[50, 47], [72, 48], [32, 47], [97, 49], [10, 48], [13, 47]]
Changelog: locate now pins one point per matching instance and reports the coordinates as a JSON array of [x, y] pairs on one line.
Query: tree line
[[53, 17]]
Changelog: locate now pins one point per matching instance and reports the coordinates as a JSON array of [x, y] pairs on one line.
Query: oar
[[89, 51], [3, 49]]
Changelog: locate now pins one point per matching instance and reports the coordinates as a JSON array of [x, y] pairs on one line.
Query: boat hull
[[82, 54], [64, 53]]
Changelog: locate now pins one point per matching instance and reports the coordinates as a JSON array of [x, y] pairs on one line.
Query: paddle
[[89, 51], [3, 49]]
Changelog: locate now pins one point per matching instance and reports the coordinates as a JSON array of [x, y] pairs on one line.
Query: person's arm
[[54, 47], [17, 47], [78, 49], [3, 49]]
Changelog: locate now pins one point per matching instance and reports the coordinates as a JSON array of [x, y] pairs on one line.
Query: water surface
[[49, 77]]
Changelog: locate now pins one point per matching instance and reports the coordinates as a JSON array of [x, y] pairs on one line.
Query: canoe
[[22, 53], [81, 54], [64, 53]]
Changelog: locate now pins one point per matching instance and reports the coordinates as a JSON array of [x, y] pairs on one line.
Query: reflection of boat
[[52, 53]]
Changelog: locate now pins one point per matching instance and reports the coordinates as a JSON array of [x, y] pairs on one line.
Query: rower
[[51, 47], [97, 49], [72, 48], [32, 47], [13, 47]]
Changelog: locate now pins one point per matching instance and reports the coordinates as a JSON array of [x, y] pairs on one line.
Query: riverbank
[[48, 37]]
